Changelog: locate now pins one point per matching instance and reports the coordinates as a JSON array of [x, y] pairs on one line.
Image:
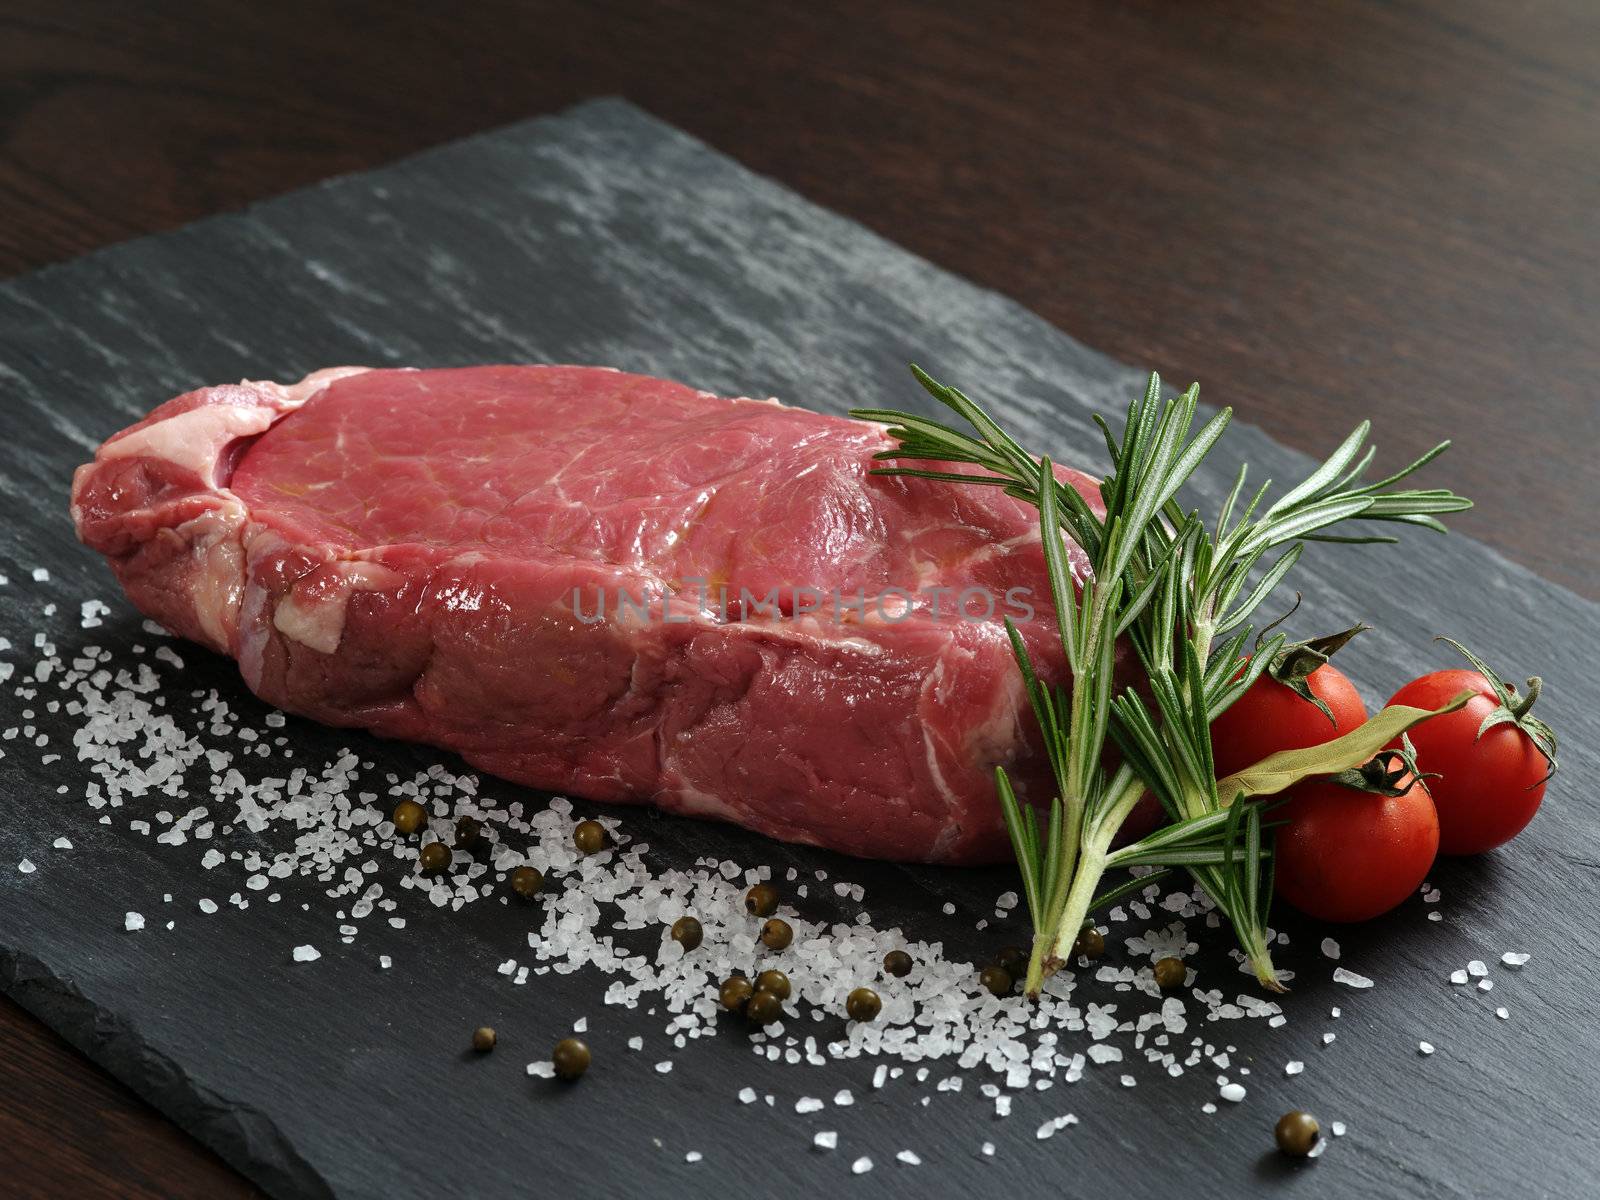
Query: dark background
[[1320, 212]]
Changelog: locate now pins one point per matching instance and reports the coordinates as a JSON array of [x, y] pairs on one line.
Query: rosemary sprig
[[1169, 585]]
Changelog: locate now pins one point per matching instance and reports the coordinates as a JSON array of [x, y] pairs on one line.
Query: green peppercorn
[[996, 980], [687, 932], [408, 817], [1014, 959], [776, 934], [571, 1058], [434, 857], [735, 991], [483, 1039], [1091, 944], [897, 963], [862, 1004], [1170, 973], [763, 1008], [761, 900], [775, 982], [526, 881], [589, 837], [1296, 1133], [469, 832]]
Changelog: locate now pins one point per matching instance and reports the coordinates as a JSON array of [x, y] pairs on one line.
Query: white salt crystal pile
[[183, 767]]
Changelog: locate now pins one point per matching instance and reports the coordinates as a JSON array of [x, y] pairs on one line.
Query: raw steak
[[423, 553]]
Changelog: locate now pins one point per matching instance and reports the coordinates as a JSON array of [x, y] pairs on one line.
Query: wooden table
[[1320, 212]]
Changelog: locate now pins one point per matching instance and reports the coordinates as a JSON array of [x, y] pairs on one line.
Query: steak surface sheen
[[425, 554]]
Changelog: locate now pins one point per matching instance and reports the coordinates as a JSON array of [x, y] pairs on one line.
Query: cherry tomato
[[1272, 716], [1489, 786], [1349, 855]]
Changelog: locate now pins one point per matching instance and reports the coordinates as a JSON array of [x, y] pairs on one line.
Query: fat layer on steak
[[422, 554]]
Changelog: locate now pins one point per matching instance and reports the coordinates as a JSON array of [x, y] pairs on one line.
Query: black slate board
[[604, 236]]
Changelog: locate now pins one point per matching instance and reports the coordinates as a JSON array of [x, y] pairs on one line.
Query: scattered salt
[[1350, 978]]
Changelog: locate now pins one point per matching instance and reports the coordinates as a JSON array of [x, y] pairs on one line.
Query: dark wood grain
[[1322, 213], [69, 1129]]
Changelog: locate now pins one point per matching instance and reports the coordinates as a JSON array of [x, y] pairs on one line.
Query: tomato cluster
[[1352, 850]]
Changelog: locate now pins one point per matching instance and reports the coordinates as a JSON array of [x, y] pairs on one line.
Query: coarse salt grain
[[808, 1104], [747, 1095], [693, 1156], [1514, 958], [132, 922], [861, 1165], [910, 1158], [1350, 978], [1330, 948], [825, 1139], [26, 867], [1477, 968], [1233, 1092], [306, 954], [1293, 1068], [61, 843], [1425, 1047]]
